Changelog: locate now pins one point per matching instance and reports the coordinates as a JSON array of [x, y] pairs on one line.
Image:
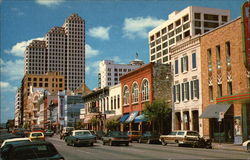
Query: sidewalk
[[226, 146]]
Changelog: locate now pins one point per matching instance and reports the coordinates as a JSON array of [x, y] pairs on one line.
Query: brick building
[[140, 86], [225, 84]]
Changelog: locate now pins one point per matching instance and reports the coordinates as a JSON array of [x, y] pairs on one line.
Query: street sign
[[221, 116]]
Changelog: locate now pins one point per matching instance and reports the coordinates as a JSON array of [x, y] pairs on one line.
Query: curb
[[221, 147]]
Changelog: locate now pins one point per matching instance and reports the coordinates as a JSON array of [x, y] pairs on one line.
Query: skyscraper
[[62, 50]]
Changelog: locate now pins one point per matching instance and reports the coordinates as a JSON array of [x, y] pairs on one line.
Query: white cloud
[[100, 32], [49, 3], [139, 26], [7, 87], [19, 48], [92, 68], [117, 60], [90, 52], [12, 69]]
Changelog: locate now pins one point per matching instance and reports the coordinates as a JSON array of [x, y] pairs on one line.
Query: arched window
[[144, 89], [135, 92], [125, 95]]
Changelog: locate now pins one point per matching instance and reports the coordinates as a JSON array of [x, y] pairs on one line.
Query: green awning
[[213, 110]]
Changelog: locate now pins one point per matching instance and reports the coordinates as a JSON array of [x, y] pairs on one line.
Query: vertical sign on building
[[246, 33]]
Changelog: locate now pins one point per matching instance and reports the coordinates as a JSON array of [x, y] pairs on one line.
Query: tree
[[79, 125], [159, 114], [112, 124], [94, 122]]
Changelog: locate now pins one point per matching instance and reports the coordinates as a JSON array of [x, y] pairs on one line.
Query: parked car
[[149, 137], [180, 137], [48, 132], [203, 143], [99, 134], [246, 145], [78, 137], [30, 150], [116, 137], [15, 141], [65, 132], [37, 129], [8, 136], [134, 135], [34, 136]]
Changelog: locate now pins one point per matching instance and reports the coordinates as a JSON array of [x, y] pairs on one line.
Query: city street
[[142, 151]]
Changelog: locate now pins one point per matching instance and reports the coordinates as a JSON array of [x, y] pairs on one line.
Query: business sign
[[246, 33]]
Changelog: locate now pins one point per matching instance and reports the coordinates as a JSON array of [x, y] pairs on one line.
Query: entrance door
[[195, 121]]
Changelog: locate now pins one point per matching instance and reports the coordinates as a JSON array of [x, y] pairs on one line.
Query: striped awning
[[132, 116], [140, 118], [124, 117]]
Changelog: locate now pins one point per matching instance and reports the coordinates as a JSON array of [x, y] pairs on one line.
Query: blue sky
[[115, 29]]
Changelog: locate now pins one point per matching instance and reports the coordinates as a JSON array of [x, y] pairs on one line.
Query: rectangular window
[[171, 41], [197, 23], [185, 91], [46, 85], [197, 16], [170, 27], [171, 34], [178, 38], [152, 38], [152, 57], [153, 51], [40, 84], [224, 18], [165, 59], [211, 24], [164, 30], [184, 64], [187, 33], [178, 94], [197, 31], [218, 57], [165, 51], [158, 34], [211, 96], [177, 23], [194, 60], [185, 26], [178, 30], [158, 55], [219, 90], [185, 18], [196, 89], [165, 44], [229, 88], [158, 48], [176, 66], [165, 37], [211, 17]]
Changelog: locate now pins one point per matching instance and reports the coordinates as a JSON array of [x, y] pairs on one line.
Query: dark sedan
[[31, 150], [116, 137], [49, 132], [149, 137]]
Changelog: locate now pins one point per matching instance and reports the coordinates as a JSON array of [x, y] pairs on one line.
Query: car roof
[[31, 143], [16, 139], [80, 130], [35, 132]]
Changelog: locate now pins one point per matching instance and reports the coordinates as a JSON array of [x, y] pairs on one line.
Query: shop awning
[[140, 118], [213, 110], [124, 117], [132, 116], [115, 117]]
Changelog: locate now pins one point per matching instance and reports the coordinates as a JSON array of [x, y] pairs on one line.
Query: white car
[[246, 145], [15, 141]]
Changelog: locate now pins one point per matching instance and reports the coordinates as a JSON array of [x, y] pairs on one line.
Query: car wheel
[[163, 142], [248, 147], [148, 141], [127, 144], [67, 143], [110, 143]]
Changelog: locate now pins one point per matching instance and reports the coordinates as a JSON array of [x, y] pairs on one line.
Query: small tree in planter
[[94, 122], [112, 124]]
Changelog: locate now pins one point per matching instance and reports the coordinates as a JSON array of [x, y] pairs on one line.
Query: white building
[[18, 112], [110, 73], [62, 50], [115, 100], [187, 85], [181, 24]]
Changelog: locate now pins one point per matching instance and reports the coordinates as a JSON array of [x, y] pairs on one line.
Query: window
[[158, 34], [152, 57], [211, 24], [145, 90], [184, 64], [211, 97], [40, 79], [197, 31], [228, 53], [218, 55], [114, 102], [158, 48], [165, 37], [29, 79], [178, 38], [164, 30], [40, 84], [186, 34], [171, 34], [176, 67], [165, 44], [170, 27], [211, 17], [165, 59], [111, 103], [185, 18], [219, 90], [152, 50], [34, 84], [224, 18], [135, 93], [178, 22], [165, 51], [171, 41], [195, 89], [178, 30], [185, 26], [177, 93], [158, 55], [118, 101], [125, 95], [197, 23], [152, 38], [34, 79], [185, 91], [194, 60], [229, 88], [197, 15]]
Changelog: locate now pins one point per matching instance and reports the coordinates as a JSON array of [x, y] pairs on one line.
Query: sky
[[115, 30]]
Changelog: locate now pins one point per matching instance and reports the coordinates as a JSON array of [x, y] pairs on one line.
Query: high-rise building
[[109, 72], [62, 50], [181, 24]]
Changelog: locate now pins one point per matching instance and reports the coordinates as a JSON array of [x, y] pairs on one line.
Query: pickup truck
[[180, 137]]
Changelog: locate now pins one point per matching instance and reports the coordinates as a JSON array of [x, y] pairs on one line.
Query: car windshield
[[180, 133], [36, 134], [37, 129], [172, 133], [33, 151], [117, 133], [82, 133]]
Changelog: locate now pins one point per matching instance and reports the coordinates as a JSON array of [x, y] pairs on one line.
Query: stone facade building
[[225, 84]]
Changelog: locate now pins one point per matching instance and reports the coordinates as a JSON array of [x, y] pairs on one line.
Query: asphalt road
[[142, 151]]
